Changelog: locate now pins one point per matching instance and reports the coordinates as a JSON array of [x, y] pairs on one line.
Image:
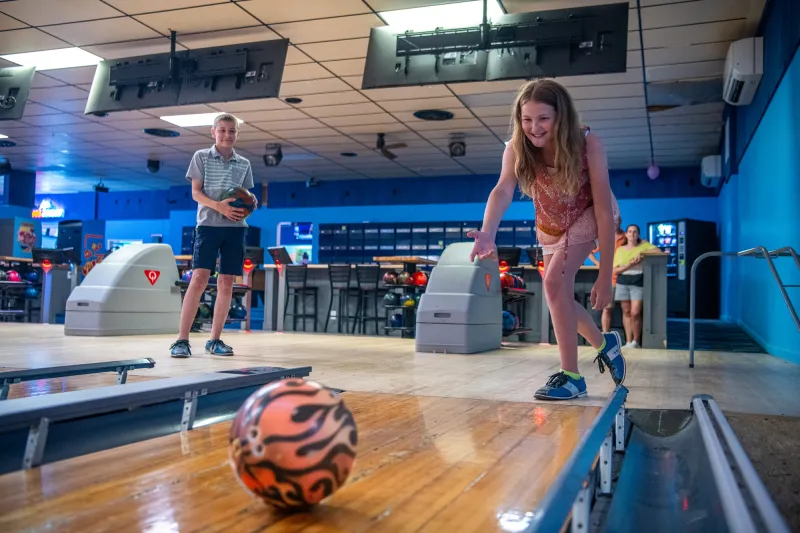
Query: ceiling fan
[[384, 148]]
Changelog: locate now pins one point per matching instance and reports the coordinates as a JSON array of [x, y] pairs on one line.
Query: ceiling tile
[[301, 88], [346, 67], [209, 39], [251, 117], [450, 103], [8, 23], [73, 75], [329, 29], [283, 125], [121, 50], [378, 118], [336, 50], [65, 92], [102, 31], [272, 12], [305, 71], [28, 40], [135, 7], [199, 19], [407, 93], [331, 99], [42, 13], [260, 104], [342, 110]]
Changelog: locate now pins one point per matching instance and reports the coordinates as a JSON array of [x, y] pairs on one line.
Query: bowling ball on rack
[[391, 298], [506, 280], [243, 199], [32, 292], [187, 276], [407, 300], [405, 279], [397, 320], [13, 275], [3, 275], [33, 276], [508, 321], [293, 443], [390, 278], [204, 311], [238, 312], [419, 278]]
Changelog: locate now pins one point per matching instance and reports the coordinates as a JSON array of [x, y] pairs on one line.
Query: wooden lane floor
[[427, 464]]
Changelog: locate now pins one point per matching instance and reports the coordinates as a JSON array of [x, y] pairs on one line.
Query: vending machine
[[684, 241]]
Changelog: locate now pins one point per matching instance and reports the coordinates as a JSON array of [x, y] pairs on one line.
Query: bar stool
[[339, 277], [296, 287], [368, 281]]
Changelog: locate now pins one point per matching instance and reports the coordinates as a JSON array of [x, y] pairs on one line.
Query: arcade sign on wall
[[47, 209]]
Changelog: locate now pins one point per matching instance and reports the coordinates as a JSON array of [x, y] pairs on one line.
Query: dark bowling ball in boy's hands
[[243, 199]]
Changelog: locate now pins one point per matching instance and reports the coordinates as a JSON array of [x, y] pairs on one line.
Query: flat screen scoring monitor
[[560, 42], [207, 75], [15, 84]]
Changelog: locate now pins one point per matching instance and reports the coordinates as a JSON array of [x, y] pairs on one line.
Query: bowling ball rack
[[211, 290], [516, 296], [408, 312]]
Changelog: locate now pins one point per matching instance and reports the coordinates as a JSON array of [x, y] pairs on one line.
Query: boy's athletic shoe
[[561, 387], [611, 356], [181, 349], [217, 347]]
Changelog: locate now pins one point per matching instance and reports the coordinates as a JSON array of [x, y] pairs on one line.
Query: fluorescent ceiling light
[[191, 121], [53, 59], [3, 136], [456, 15]]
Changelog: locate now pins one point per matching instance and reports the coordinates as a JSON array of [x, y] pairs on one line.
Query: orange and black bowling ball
[[293, 443], [243, 199]]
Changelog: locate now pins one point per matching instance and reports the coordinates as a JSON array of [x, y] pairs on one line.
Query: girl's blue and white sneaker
[[611, 356], [561, 387], [217, 347]]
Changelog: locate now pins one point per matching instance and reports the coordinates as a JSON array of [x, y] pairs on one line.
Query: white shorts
[[628, 292]]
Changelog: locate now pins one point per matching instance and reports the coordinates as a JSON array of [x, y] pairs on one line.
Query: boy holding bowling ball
[[220, 231]]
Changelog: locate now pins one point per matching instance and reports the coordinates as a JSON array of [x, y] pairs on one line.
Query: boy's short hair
[[226, 117]]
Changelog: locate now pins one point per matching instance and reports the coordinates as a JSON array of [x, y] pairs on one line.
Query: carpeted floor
[[710, 335], [771, 443]]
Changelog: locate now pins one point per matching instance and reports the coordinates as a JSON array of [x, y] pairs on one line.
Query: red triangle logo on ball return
[[152, 276], [488, 281]]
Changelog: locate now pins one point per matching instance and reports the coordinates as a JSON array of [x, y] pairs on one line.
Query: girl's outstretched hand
[[484, 245], [601, 293]]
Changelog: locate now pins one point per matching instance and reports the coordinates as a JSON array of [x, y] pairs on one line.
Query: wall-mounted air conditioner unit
[[744, 66], [711, 170]]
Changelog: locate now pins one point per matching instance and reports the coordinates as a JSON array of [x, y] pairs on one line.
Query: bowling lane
[[424, 464]]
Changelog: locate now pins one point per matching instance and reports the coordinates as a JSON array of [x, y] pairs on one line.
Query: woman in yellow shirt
[[630, 284]]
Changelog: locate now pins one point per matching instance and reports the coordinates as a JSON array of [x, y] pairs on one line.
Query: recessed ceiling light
[[191, 121], [293, 100], [455, 15], [348, 154], [159, 132], [433, 114], [7, 144], [53, 59]]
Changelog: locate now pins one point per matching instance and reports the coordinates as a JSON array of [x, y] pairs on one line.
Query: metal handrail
[[757, 252]]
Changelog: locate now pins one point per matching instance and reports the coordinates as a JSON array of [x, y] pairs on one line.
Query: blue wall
[[759, 206], [672, 183]]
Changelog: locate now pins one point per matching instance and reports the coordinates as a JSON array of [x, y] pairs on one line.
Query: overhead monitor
[[15, 83], [131, 83], [235, 72], [388, 65], [206, 75], [561, 42]]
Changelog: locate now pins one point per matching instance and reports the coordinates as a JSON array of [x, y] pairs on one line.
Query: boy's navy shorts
[[225, 242]]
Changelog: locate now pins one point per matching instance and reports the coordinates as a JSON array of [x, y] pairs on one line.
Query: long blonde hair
[[566, 133]]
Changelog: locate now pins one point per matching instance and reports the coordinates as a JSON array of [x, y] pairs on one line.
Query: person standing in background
[[630, 283], [619, 240]]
